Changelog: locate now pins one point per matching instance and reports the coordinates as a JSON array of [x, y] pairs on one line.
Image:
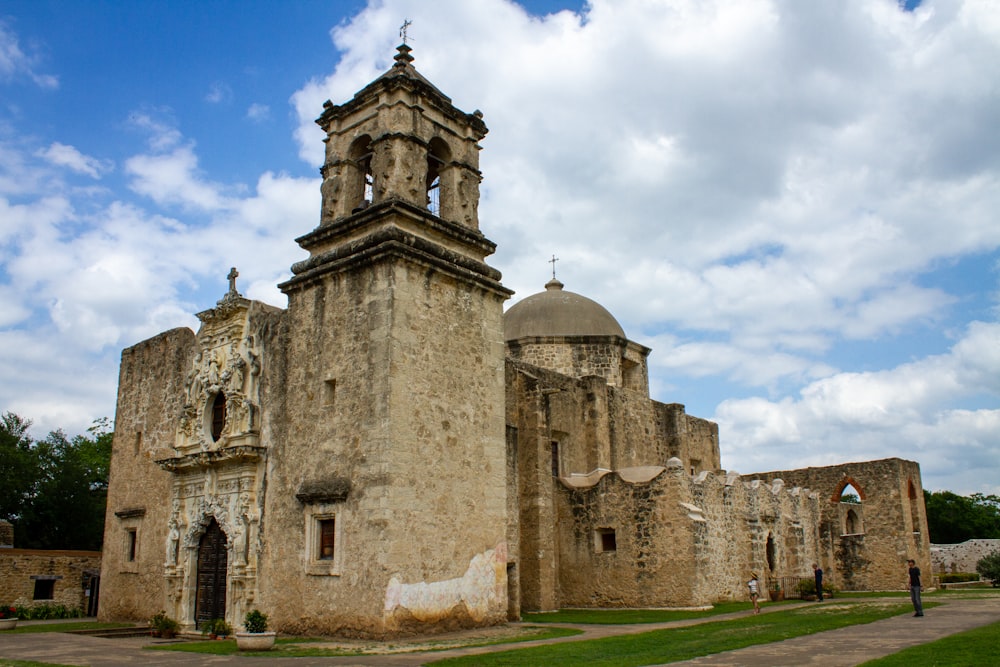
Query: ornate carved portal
[[210, 600], [213, 531]]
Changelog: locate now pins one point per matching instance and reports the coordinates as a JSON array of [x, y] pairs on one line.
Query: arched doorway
[[210, 600]]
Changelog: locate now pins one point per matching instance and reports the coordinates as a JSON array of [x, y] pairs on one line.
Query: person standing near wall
[[915, 588], [819, 582], [754, 587]]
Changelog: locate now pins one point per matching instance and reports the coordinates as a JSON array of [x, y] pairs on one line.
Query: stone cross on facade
[[553, 263], [233, 273]]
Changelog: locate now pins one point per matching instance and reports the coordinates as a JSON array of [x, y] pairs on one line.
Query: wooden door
[[210, 601]]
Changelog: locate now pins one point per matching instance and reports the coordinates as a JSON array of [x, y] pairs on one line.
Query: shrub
[[163, 625], [989, 567], [8, 611], [44, 612], [956, 577], [255, 621]]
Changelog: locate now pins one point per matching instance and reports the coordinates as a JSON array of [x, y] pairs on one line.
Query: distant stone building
[[392, 454], [962, 557], [37, 577]]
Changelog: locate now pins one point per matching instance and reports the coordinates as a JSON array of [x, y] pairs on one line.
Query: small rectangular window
[[131, 544], [555, 458], [329, 392], [45, 589], [327, 538], [606, 540]]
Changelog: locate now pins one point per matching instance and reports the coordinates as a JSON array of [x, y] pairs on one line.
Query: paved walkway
[[836, 648]]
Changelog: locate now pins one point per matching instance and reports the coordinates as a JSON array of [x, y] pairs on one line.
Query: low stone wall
[[69, 572], [962, 557]]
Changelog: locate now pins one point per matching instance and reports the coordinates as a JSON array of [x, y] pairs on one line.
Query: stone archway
[[213, 560]]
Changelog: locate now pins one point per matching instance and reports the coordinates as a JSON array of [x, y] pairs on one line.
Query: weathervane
[[402, 29], [553, 263]]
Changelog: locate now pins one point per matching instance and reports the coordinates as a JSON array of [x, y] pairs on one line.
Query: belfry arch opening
[[358, 178], [438, 157]]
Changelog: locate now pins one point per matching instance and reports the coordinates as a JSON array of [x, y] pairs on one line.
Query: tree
[[952, 518], [17, 466], [58, 487], [989, 568]]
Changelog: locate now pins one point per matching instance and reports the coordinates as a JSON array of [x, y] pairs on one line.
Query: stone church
[[393, 454]]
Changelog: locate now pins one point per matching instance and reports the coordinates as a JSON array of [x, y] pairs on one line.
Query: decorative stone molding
[[228, 362], [333, 490]]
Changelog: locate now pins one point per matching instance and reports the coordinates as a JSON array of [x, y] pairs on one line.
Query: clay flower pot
[[255, 641], [8, 623]]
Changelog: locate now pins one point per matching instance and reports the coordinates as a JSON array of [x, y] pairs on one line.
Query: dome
[[556, 312]]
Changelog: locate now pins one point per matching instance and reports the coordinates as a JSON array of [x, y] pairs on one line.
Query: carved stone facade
[[391, 454]]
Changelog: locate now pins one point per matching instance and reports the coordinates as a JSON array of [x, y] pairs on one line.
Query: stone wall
[[950, 558], [891, 518], [658, 537], [394, 384], [591, 355], [70, 572], [150, 400]]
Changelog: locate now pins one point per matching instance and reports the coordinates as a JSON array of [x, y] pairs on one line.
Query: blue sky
[[794, 204]]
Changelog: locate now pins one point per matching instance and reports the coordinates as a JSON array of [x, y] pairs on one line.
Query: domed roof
[[556, 312]]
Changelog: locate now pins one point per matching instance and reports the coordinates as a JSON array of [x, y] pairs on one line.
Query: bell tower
[[393, 434], [401, 138]]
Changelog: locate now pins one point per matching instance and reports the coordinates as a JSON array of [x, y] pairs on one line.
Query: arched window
[[218, 416], [850, 494], [851, 523], [438, 156], [359, 180]]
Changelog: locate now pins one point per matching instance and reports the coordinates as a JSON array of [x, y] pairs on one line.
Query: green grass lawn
[[972, 648], [28, 663], [660, 646]]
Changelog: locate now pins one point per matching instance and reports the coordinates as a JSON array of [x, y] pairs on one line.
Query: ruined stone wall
[[150, 399], [892, 515], [394, 386], [69, 570], [678, 540]]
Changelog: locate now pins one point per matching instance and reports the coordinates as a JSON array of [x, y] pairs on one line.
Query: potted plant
[[163, 626], [216, 628], [8, 617], [255, 637], [775, 593], [807, 589]]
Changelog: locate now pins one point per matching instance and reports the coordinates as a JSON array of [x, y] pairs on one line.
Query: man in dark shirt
[[918, 606], [819, 582]]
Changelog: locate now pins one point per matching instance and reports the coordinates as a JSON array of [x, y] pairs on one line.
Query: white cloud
[[258, 112], [173, 178], [767, 192], [67, 156], [219, 92], [910, 411], [14, 62]]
